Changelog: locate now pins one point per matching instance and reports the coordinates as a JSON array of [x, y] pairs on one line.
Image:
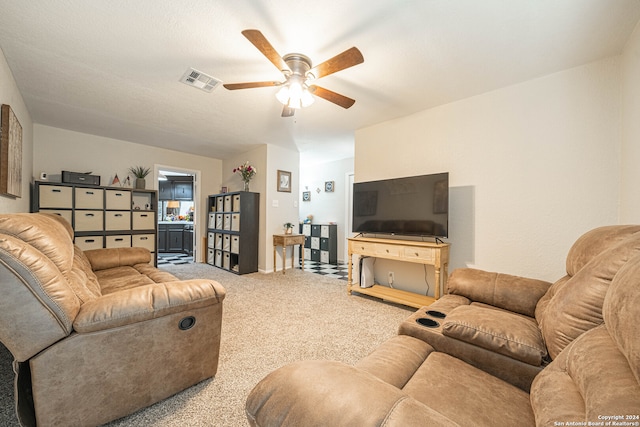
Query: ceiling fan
[[296, 91]]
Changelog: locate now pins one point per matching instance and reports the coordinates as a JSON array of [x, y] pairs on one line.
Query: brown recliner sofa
[[97, 335], [512, 327], [405, 382]]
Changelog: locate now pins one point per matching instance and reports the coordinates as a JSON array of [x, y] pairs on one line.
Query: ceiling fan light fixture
[[298, 90], [306, 98], [294, 95], [283, 95]]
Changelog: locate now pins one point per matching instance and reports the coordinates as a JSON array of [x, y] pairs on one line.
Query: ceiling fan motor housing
[[299, 64]]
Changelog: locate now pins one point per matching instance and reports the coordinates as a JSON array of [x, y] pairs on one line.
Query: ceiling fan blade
[[331, 96], [288, 111], [263, 45], [346, 59], [234, 86]]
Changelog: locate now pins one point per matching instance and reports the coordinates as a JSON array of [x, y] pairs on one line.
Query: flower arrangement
[[247, 172]]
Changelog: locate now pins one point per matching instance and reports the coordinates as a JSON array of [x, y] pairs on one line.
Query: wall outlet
[[390, 278]]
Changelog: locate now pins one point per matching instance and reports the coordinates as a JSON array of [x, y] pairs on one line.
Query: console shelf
[[398, 296], [429, 253]]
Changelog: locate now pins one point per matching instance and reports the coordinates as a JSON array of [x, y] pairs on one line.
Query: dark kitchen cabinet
[[165, 190], [187, 240], [175, 239], [183, 190], [171, 238], [176, 188]]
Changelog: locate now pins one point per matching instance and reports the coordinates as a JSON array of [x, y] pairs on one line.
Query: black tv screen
[[416, 205]]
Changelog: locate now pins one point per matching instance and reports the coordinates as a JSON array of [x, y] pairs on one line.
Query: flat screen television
[[415, 205]]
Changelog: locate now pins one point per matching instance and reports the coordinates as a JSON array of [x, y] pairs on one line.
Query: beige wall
[[276, 207], [327, 207], [10, 95], [258, 159], [281, 206], [532, 167], [630, 202], [57, 149]]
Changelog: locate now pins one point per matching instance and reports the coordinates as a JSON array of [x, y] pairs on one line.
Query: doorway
[[178, 214]]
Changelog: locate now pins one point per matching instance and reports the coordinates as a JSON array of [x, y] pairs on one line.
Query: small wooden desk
[[285, 240]]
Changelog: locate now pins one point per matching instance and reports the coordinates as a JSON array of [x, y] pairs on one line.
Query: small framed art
[[10, 153], [284, 181], [328, 186]]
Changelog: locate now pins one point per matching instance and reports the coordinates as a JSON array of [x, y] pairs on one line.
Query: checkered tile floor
[[174, 258], [328, 270]]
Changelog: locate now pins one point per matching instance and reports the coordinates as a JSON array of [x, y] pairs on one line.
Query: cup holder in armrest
[[429, 323], [438, 314]]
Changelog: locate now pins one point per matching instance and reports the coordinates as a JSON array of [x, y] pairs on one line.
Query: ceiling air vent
[[200, 80]]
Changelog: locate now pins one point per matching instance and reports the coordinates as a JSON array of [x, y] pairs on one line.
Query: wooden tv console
[[429, 253]]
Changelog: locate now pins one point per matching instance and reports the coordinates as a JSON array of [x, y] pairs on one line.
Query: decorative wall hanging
[[284, 181], [306, 196], [328, 186], [10, 153]]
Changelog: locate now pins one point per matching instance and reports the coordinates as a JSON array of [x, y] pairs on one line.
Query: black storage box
[[80, 178]]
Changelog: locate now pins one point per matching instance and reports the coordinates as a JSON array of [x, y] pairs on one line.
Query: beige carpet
[[269, 320]]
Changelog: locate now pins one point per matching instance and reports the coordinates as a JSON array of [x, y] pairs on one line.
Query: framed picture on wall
[[284, 181], [10, 153], [328, 186], [306, 196]]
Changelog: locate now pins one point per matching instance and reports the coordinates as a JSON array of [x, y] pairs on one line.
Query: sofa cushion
[[594, 242], [396, 360], [82, 279], [467, 395], [621, 315], [46, 233], [576, 304], [155, 274], [103, 259], [513, 293], [597, 373], [121, 278], [593, 377], [506, 333]]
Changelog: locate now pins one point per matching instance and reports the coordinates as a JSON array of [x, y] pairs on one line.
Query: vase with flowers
[[247, 172]]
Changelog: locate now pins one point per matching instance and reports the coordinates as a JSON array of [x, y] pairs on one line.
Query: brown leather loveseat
[[97, 335]]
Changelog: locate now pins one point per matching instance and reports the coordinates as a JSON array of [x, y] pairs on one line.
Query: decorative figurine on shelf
[[288, 228], [247, 172], [308, 219]]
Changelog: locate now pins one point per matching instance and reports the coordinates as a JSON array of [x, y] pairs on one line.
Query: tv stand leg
[[349, 273]]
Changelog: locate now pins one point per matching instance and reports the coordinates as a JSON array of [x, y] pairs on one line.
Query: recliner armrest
[[509, 334], [102, 259], [513, 293], [317, 393], [146, 302]]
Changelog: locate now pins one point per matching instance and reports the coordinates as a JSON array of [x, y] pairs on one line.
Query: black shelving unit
[[232, 231]]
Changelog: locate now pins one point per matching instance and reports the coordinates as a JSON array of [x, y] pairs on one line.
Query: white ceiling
[[111, 67]]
